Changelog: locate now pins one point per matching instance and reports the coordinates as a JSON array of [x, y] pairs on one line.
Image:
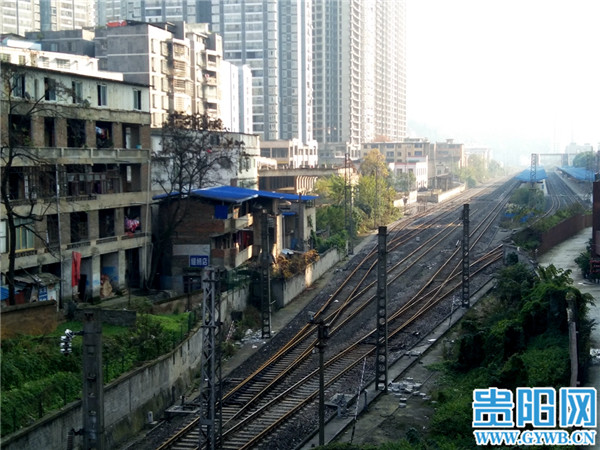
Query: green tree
[[404, 182], [332, 189], [374, 165], [587, 160], [194, 151]]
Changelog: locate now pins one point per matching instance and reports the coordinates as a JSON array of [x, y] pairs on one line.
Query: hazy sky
[[511, 74]]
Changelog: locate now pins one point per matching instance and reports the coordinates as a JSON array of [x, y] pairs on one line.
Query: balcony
[[87, 155]]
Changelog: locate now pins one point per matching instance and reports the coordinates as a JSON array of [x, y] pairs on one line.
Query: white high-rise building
[[19, 16], [359, 75], [56, 15], [190, 11], [23, 16], [274, 38]]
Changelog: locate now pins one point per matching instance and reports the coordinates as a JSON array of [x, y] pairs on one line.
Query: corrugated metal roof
[[525, 176], [235, 194], [579, 173]]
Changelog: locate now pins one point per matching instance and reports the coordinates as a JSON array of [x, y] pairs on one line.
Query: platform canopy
[[579, 173], [525, 176]]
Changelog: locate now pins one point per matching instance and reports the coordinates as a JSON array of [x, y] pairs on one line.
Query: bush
[[37, 378]]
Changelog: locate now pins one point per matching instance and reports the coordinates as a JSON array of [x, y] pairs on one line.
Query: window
[[52, 229], [77, 88], [102, 95], [50, 89], [19, 85], [79, 226], [63, 63], [137, 99], [75, 133], [3, 246], [24, 235]]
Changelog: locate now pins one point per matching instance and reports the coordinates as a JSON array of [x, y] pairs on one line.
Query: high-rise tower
[[360, 74], [274, 37]]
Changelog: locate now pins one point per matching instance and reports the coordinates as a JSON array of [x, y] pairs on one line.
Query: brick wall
[[31, 318]]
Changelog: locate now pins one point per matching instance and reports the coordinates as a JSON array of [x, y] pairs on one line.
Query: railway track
[[276, 401]]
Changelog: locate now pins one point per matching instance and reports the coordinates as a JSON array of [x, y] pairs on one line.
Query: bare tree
[[195, 151], [26, 176]]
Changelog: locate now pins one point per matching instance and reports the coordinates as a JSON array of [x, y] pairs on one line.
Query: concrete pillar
[[119, 222], [67, 265], [90, 133], [95, 275], [93, 226], [60, 131], [37, 131], [65, 228], [122, 270], [117, 135]]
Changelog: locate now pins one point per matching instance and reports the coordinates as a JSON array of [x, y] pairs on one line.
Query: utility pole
[[210, 372], [265, 276], [572, 337], [381, 363], [466, 292], [93, 387], [323, 334]]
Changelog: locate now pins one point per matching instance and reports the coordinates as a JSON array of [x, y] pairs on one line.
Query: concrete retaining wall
[[127, 400], [284, 291], [563, 231]]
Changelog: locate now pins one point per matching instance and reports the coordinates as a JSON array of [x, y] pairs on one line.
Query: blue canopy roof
[[525, 176], [579, 173], [235, 194]]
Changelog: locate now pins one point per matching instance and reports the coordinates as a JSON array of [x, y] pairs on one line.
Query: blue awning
[[235, 194]]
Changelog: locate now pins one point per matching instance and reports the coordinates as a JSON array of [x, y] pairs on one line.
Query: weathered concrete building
[[82, 139]]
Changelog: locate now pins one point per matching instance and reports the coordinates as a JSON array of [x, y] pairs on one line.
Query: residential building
[[290, 154], [86, 135], [359, 62], [451, 153], [180, 62], [150, 11], [243, 170], [223, 229], [274, 38], [407, 156], [236, 97], [58, 15], [20, 16], [485, 153]]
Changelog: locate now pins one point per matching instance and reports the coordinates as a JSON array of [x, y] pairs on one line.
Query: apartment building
[[292, 154], [180, 62], [359, 62], [406, 156], [274, 38], [67, 15], [151, 11], [22, 16], [84, 139]]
